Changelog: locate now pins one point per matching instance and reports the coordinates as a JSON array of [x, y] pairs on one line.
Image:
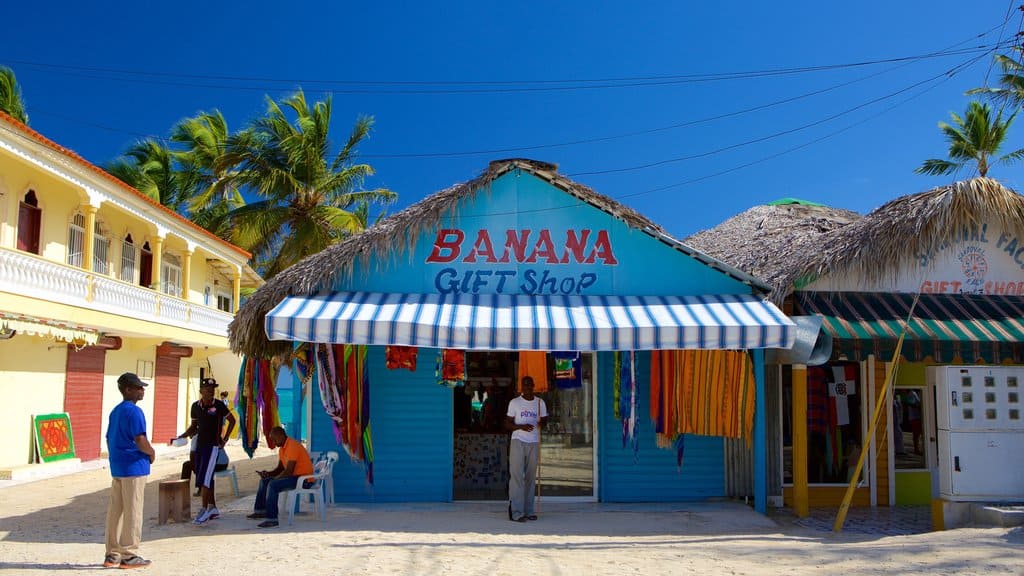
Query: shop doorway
[[481, 443]]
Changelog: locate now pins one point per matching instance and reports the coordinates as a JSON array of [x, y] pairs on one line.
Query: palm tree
[[10, 96], [151, 168], [1011, 82], [977, 137], [204, 138], [304, 195]]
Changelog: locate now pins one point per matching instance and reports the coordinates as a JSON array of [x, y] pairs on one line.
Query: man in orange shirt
[[292, 461]]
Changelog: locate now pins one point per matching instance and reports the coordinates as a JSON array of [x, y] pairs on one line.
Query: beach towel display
[[451, 368], [345, 393], [567, 370], [703, 392], [396, 357], [535, 365]]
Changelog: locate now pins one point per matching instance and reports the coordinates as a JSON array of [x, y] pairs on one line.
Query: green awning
[[947, 327]]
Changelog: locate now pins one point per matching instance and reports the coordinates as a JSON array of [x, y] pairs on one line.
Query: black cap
[[208, 383], [130, 379]]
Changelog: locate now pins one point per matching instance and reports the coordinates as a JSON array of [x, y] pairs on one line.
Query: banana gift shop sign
[[520, 261]]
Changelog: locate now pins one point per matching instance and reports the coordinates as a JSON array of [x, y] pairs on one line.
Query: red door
[[165, 395], [28, 228], [83, 398]]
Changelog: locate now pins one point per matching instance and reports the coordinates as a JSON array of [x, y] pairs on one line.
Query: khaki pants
[[124, 516]]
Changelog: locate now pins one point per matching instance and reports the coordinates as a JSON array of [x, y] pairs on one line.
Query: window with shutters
[[170, 275], [76, 240], [129, 259]]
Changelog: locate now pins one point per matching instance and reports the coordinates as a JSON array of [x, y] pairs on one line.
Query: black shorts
[[206, 464]]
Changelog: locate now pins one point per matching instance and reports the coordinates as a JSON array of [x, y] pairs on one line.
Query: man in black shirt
[[208, 416]]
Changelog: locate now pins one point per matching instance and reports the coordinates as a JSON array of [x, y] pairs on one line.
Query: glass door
[[567, 442]]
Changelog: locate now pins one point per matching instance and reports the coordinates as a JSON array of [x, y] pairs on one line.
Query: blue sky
[[850, 136]]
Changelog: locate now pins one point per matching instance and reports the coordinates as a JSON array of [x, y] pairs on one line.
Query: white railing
[[32, 276]]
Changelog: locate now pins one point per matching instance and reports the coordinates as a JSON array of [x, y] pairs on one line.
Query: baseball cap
[[208, 383], [130, 379]]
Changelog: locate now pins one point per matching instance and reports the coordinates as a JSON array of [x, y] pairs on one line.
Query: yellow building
[[97, 279]]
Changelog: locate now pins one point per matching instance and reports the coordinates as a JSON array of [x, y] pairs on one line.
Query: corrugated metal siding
[[83, 398], [739, 468], [165, 396], [411, 421], [652, 475]]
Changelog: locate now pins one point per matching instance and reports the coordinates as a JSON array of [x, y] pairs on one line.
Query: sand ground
[[57, 525]]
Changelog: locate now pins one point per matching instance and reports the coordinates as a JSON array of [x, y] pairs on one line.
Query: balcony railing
[[27, 274]]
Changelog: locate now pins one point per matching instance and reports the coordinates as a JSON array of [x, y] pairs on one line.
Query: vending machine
[[980, 432]]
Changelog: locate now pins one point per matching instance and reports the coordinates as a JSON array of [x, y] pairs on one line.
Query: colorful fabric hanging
[[345, 394], [451, 368], [246, 405], [704, 392], [304, 362], [567, 370], [627, 405], [535, 365], [266, 377], [396, 357]]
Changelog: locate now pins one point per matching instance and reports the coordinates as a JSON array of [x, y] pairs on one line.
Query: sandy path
[[57, 524]]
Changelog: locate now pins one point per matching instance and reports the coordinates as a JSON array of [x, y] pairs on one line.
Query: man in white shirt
[[525, 417]]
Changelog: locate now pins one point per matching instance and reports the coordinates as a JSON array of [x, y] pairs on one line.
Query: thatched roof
[[391, 237], [764, 240], [896, 234]]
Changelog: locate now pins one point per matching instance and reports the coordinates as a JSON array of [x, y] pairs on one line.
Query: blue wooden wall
[[650, 474], [411, 422]]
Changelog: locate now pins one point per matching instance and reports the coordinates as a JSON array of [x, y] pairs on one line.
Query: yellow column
[[157, 245], [90, 236], [186, 273], [801, 502], [236, 289]]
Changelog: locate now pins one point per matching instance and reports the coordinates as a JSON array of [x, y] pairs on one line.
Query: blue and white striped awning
[[527, 322]]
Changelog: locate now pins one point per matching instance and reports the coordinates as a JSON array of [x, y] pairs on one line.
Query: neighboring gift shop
[[953, 257], [435, 314]]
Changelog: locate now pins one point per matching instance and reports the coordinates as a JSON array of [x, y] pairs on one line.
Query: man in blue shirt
[[130, 456]]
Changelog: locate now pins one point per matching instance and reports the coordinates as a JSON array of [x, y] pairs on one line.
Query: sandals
[[135, 562]]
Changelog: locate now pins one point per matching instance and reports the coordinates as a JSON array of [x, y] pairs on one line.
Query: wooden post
[[801, 499]]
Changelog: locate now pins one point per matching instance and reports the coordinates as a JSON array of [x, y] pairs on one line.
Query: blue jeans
[[266, 496]]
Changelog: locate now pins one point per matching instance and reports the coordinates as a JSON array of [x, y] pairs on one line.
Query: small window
[[1011, 381], [990, 382], [968, 414], [224, 302], [965, 381], [1012, 397], [967, 397], [76, 240], [1014, 414], [129, 259], [990, 397], [990, 414]]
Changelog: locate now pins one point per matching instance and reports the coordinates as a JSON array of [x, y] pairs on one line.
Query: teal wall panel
[[650, 474], [411, 423]]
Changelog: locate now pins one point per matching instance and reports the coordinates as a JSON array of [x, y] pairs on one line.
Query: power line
[[948, 73], [511, 86]]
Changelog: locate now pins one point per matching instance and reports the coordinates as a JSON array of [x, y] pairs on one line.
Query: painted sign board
[[54, 440], [980, 259]]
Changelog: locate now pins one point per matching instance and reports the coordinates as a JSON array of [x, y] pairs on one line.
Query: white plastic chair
[[329, 479], [229, 472], [315, 489]]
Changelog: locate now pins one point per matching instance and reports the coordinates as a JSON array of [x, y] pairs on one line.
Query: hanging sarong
[[451, 368], [247, 406], [705, 392], [396, 357], [567, 370], [535, 365], [267, 399]]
